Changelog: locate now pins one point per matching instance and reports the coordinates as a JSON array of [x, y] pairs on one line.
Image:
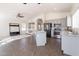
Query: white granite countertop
[[67, 33]]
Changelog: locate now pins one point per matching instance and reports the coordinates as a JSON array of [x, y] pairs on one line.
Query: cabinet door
[[77, 46], [70, 45], [40, 38]]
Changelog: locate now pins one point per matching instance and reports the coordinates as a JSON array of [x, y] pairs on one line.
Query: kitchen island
[[41, 38], [70, 43]]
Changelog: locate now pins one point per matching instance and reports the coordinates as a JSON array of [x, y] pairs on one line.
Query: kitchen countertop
[[67, 33]]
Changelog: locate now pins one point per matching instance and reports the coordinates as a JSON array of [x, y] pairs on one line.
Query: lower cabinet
[[70, 45], [40, 38]]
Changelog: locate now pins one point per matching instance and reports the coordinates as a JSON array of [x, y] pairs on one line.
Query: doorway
[[47, 28]]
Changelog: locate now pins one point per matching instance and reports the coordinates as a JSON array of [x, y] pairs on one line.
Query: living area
[[37, 28]]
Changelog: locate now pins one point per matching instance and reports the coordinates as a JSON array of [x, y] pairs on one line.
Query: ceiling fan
[[20, 15]]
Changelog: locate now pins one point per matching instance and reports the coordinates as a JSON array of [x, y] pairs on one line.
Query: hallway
[[27, 47]]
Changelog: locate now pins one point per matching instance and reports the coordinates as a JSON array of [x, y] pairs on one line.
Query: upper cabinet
[[69, 21]]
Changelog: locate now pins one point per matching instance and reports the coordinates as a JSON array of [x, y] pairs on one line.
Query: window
[[23, 27], [69, 21], [75, 20], [31, 26]]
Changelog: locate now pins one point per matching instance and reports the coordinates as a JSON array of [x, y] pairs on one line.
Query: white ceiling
[[45, 8], [32, 9], [54, 7]]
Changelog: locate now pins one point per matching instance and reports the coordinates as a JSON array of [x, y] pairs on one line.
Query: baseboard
[[64, 54]]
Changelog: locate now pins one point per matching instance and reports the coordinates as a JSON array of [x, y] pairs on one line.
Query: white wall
[[8, 15], [74, 8], [4, 26], [56, 15]]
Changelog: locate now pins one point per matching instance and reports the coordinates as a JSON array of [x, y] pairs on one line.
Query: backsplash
[[75, 30]]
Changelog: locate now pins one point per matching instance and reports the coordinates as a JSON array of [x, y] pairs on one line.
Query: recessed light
[[25, 3], [38, 3]]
